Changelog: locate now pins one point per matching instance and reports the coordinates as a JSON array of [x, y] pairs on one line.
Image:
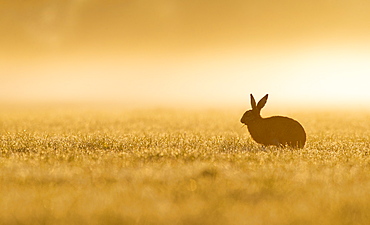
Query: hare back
[[279, 131]]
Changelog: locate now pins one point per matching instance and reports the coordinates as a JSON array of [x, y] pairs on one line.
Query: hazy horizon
[[172, 52]]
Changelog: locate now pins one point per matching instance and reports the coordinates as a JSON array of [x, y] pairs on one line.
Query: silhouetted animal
[[275, 130]]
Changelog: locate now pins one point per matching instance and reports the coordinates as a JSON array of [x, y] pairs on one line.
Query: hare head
[[255, 112]]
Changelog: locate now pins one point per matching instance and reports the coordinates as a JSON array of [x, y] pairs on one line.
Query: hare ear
[[262, 102], [253, 102]]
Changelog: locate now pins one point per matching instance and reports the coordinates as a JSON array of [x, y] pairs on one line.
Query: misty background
[[166, 52]]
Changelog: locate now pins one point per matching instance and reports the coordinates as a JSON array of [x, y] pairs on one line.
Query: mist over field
[[171, 52], [129, 112]]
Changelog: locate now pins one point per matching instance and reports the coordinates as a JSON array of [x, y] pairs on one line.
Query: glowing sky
[[173, 51]]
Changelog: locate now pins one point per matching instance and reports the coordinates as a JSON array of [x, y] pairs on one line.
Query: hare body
[[275, 130]]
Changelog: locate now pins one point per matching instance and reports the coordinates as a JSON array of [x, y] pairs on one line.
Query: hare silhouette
[[276, 130]]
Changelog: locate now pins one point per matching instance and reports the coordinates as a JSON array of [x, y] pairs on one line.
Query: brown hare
[[275, 130]]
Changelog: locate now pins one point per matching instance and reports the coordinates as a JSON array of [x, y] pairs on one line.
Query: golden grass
[[170, 166]]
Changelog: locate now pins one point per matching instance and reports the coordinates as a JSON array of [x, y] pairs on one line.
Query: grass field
[[78, 165]]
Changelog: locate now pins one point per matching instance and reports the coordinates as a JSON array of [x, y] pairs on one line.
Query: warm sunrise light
[[333, 77], [139, 112], [185, 52]]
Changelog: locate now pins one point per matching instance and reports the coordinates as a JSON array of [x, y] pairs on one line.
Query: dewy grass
[[167, 166]]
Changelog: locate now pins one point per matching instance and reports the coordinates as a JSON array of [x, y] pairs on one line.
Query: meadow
[[112, 165]]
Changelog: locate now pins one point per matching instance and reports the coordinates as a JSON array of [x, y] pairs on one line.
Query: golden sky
[[170, 51]]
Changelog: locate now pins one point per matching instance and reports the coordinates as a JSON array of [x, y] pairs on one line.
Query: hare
[[275, 130]]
